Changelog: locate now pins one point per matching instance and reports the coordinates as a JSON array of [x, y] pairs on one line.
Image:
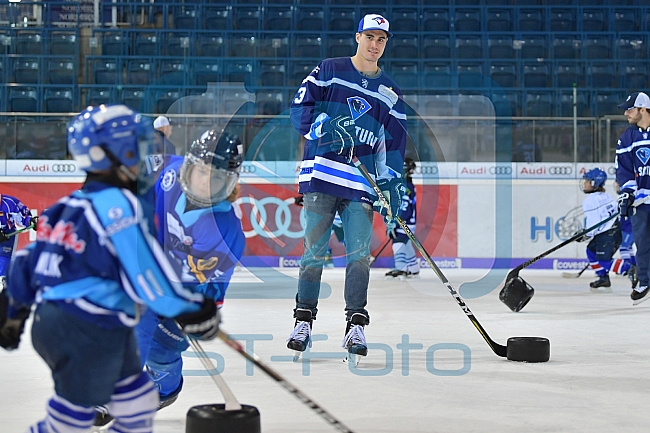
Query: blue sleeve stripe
[[631, 147]]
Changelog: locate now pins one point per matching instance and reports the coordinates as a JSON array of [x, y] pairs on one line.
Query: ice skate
[[632, 275], [392, 274], [409, 275], [102, 417], [639, 295], [355, 339], [601, 285], [300, 338]]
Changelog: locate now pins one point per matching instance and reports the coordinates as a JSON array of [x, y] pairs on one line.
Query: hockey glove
[[393, 190], [299, 200], [343, 135], [391, 229], [625, 202], [12, 327], [202, 324], [582, 238], [3, 237]]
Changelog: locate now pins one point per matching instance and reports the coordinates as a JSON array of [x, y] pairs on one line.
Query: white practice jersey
[[598, 206]]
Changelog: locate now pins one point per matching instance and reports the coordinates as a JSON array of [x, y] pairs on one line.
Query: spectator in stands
[[162, 134]]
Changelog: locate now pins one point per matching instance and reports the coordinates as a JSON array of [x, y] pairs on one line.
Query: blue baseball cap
[[374, 22], [636, 100]]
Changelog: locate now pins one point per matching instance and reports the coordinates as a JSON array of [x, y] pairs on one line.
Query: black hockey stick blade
[[497, 348]]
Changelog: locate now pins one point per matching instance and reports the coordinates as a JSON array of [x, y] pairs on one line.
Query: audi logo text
[[501, 170], [64, 168], [559, 170], [246, 168], [429, 169]]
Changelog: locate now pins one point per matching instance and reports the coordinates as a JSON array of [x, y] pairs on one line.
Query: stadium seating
[[23, 99], [59, 101]]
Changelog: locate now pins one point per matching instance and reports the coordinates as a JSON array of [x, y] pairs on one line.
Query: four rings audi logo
[[245, 168], [501, 170], [426, 169], [562, 169], [64, 168]]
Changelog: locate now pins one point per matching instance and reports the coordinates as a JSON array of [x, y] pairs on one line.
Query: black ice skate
[[639, 295], [413, 274], [102, 417], [355, 339], [633, 276], [601, 285], [390, 275], [300, 338]]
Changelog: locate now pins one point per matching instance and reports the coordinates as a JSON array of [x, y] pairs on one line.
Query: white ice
[[597, 380]]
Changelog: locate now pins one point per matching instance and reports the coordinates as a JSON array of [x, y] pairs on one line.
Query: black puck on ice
[[528, 349], [516, 293], [214, 418]]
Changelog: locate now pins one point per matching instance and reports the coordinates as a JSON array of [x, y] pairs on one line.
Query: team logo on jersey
[[643, 154], [358, 106], [364, 83], [645, 135], [168, 180], [115, 213]]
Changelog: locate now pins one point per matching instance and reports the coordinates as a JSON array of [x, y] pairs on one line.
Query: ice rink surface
[[597, 380]]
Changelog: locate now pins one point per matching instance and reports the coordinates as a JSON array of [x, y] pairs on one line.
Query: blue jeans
[[641, 232], [319, 210]]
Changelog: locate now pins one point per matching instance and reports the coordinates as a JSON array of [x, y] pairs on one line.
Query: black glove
[[202, 324], [299, 200], [12, 328], [582, 238], [625, 202], [34, 222], [393, 190], [391, 228], [343, 135], [3, 237]]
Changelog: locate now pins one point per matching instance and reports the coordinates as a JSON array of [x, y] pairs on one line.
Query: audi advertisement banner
[[41, 167]]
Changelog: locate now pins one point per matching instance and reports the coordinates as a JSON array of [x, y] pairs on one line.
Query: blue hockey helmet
[[596, 178], [106, 137], [210, 171]]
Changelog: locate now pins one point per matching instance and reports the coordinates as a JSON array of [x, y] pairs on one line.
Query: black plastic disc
[[214, 418], [516, 293], [528, 349]]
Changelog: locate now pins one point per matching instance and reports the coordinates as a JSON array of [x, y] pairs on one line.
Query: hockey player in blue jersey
[[14, 217], [204, 239], [92, 271], [346, 106], [406, 263], [633, 175], [604, 240]]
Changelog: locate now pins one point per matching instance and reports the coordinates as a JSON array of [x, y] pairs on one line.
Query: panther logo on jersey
[[358, 106], [643, 154], [168, 180]]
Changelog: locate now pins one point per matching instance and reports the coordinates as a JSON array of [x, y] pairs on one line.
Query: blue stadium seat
[[106, 71], [602, 75], [115, 44], [340, 46], [435, 20], [59, 101], [312, 19], [566, 46], [61, 71], [146, 44], [211, 45], [63, 43], [173, 72], [566, 104], [625, 20], [26, 70], [307, 46], [165, 98], [504, 74], [593, 20], [405, 73], [534, 47], [539, 104], [243, 45], [404, 47], [139, 71], [404, 20], [632, 46], [270, 102], [563, 20], [536, 75], [530, 20], [436, 47], [23, 99], [606, 103], [247, 18], [436, 105], [506, 104], [239, 72], [499, 20], [470, 75], [467, 20], [274, 45], [300, 70], [29, 43], [278, 18], [99, 97], [273, 74], [469, 47], [501, 47], [343, 20], [470, 105], [597, 47], [186, 18], [217, 17], [568, 73], [635, 76], [206, 71], [179, 45], [134, 98], [437, 75]]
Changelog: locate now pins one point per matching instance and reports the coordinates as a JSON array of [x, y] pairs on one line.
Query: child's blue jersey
[[95, 258], [14, 215], [205, 243], [633, 162], [335, 88], [407, 211]]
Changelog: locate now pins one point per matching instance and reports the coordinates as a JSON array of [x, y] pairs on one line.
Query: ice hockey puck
[[528, 349], [214, 418]]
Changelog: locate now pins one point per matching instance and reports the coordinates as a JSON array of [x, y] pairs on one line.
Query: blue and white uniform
[[403, 251], [14, 215]]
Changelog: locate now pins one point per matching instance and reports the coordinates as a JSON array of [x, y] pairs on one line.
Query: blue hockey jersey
[[204, 243], [407, 211], [335, 88], [633, 162], [95, 258], [14, 215]]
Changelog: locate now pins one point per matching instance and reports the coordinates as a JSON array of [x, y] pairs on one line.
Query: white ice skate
[[355, 339]]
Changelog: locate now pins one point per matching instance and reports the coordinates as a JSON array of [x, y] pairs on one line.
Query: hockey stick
[[573, 274], [374, 257], [497, 348], [17, 232], [231, 400], [285, 384]]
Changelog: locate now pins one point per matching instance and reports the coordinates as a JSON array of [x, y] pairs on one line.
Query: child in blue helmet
[[604, 240]]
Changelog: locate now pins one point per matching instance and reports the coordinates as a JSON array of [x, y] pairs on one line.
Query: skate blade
[[352, 358], [296, 355], [600, 289], [638, 301]]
